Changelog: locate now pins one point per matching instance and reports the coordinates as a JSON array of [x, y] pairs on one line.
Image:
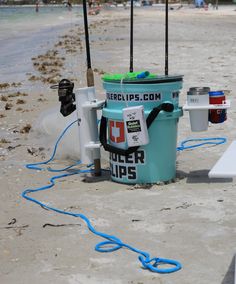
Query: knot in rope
[[154, 263]]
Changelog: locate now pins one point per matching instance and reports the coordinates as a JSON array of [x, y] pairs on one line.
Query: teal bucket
[[155, 161]]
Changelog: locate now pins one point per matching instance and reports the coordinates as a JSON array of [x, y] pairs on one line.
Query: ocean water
[[25, 34]]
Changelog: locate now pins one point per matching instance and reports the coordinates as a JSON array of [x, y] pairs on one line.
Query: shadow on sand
[[201, 176], [229, 276]]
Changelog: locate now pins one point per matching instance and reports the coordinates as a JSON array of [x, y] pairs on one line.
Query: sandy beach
[[191, 220]]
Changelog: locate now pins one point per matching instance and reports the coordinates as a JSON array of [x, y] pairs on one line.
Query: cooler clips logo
[[117, 131]]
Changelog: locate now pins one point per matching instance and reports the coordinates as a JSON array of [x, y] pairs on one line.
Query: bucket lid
[[142, 77]]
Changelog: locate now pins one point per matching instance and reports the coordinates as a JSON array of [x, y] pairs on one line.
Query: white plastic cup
[[198, 118]]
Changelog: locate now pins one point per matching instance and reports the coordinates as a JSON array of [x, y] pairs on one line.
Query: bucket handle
[[168, 107]]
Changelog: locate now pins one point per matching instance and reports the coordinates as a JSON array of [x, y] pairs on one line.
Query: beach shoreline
[[191, 220]]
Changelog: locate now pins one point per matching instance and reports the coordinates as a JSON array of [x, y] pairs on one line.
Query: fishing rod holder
[[87, 106]]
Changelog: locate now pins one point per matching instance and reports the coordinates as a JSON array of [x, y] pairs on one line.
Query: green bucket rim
[[148, 80]]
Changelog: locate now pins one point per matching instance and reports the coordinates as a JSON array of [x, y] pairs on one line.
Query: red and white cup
[[217, 115]]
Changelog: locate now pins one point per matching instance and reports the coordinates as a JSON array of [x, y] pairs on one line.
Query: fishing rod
[[131, 67], [89, 74], [166, 39]]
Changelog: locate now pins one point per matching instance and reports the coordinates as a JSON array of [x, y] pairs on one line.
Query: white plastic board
[[226, 165]]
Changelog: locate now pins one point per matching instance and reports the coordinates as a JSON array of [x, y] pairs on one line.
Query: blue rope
[[64, 169], [112, 243], [205, 141], [144, 257], [34, 166]]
